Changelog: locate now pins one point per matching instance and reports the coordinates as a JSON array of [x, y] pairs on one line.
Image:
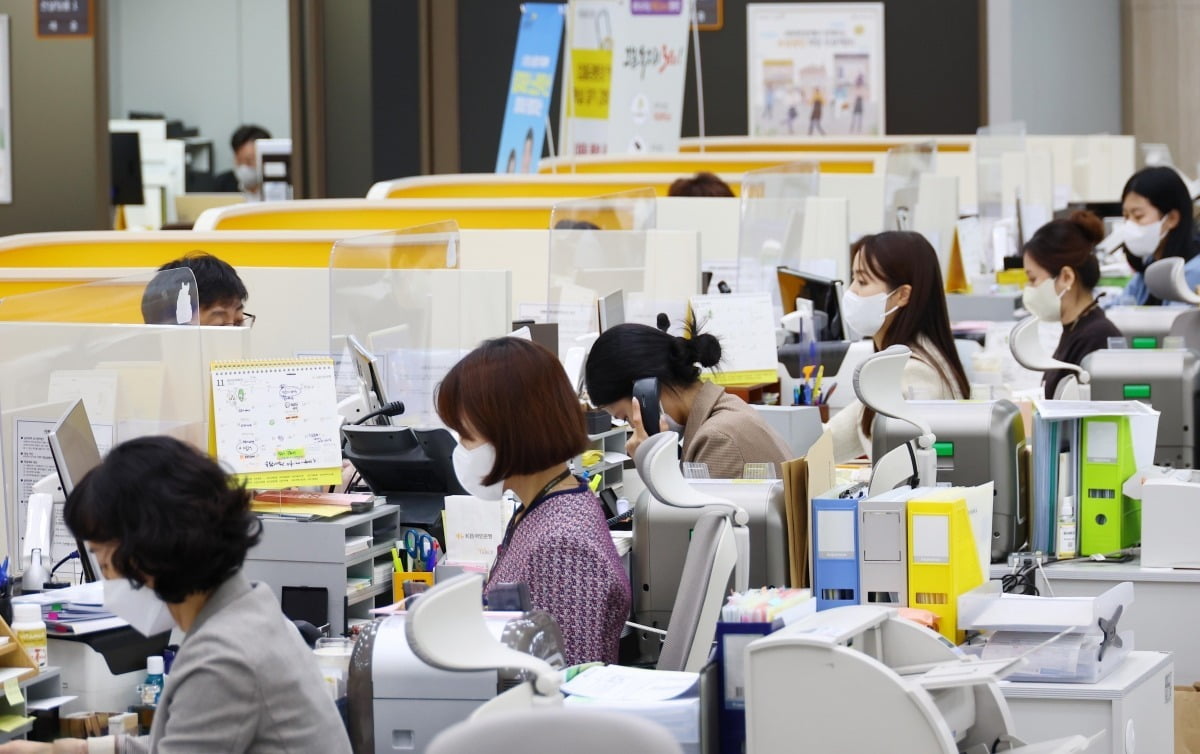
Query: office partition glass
[[135, 380], [169, 297], [399, 306], [1000, 154], [634, 210], [902, 177], [773, 204]]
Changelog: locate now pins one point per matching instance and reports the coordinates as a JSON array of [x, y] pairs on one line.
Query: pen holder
[[398, 579], [824, 411]]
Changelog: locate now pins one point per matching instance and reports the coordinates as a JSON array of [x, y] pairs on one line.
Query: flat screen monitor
[[125, 155], [824, 293], [75, 453], [370, 386]]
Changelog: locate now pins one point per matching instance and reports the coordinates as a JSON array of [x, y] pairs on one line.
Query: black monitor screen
[[125, 154], [824, 293]]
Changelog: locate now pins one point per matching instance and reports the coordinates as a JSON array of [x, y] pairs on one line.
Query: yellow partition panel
[[548, 185], [686, 164], [369, 214], [850, 144]]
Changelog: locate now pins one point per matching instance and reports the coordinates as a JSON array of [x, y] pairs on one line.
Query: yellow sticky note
[[9, 723], [12, 691], [591, 80]]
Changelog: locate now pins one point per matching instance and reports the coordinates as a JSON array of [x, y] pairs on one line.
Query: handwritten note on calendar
[[276, 422]]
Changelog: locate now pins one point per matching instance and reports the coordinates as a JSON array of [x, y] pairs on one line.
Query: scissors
[[421, 549]]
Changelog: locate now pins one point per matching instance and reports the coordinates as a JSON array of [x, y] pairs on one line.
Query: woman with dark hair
[[519, 423], [170, 531], [1061, 264], [718, 429], [896, 297], [1158, 224], [701, 184]]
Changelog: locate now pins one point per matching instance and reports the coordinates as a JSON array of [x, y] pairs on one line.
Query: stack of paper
[[666, 698]]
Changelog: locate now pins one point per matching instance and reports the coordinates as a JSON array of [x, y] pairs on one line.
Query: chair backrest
[[548, 731], [711, 557]]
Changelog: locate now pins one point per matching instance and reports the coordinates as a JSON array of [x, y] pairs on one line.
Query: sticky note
[[12, 691]]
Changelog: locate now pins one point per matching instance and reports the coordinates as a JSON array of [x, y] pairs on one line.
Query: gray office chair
[[702, 585], [1166, 281], [550, 731]]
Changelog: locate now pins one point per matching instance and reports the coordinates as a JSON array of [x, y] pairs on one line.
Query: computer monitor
[[824, 293], [75, 453], [125, 155], [370, 386]]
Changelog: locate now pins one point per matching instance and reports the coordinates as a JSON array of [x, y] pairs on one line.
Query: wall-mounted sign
[[64, 18]]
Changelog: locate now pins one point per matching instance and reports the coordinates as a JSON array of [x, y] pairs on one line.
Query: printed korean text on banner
[[815, 68], [624, 91], [534, 65]]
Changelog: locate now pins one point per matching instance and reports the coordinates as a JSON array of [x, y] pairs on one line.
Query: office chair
[[1026, 347], [719, 549], [877, 384], [555, 730], [1166, 281]]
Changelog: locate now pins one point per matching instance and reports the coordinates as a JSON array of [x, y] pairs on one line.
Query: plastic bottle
[[151, 690], [31, 632]]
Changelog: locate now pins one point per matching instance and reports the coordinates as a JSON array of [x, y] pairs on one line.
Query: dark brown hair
[[1069, 243], [514, 394], [906, 258], [702, 184]]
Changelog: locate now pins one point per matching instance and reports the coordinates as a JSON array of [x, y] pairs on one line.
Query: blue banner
[[534, 65]]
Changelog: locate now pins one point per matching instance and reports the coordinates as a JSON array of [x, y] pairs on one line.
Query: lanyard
[[519, 515]]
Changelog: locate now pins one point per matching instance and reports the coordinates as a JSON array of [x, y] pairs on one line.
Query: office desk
[[1135, 704], [1165, 612]]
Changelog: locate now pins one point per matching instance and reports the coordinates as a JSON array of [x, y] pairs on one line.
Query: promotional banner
[[815, 69], [535, 62], [623, 91]]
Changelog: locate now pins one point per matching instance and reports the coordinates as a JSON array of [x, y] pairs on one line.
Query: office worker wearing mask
[[519, 423], [170, 532], [718, 429], [896, 297], [1061, 264], [1158, 224]]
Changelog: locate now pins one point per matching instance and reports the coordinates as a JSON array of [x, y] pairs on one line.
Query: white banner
[[623, 83], [815, 69]]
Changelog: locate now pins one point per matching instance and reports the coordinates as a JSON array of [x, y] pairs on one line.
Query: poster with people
[[623, 87], [539, 39], [815, 69]]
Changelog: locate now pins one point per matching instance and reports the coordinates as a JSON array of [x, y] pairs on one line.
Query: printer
[[977, 442], [660, 542], [1168, 380], [862, 679], [398, 702], [104, 667]]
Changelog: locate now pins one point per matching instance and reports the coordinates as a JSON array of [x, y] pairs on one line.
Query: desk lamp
[[657, 462], [1026, 347], [877, 383], [446, 629]]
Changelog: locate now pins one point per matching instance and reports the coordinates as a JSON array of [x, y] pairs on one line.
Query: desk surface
[[1085, 570]]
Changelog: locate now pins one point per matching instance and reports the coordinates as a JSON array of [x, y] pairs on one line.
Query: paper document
[[474, 528], [613, 682]]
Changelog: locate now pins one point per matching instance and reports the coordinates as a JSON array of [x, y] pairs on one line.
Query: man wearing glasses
[[222, 294]]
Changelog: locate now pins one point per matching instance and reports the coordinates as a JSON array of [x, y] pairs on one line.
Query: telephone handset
[[646, 392]]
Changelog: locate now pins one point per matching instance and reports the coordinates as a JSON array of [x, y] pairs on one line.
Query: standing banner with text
[[535, 62], [815, 69], [623, 88]]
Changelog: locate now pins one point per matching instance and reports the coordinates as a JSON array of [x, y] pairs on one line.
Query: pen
[[825, 398], [820, 376], [396, 564], [796, 395], [431, 559]]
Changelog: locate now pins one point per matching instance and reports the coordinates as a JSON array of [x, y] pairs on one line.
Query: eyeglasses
[[246, 321]]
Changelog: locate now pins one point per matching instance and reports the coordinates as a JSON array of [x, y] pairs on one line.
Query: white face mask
[[140, 606], [471, 466], [1142, 240], [1043, 302], [247, 177], [865, 314]]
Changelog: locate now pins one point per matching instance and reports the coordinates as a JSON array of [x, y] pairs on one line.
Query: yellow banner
[[278, 480], [758, 377], [591, 82]]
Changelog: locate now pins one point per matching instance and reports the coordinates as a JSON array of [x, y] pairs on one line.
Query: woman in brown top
[[718, 429], [1061, 264]]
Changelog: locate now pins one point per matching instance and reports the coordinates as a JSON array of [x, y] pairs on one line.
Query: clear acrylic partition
[[169, 297], [902, 178], [1000, 157], [402, 298], [772, 224], [134, 379], [598, 247]]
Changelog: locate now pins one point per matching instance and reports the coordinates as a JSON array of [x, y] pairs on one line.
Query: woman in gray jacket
[[170, 530]]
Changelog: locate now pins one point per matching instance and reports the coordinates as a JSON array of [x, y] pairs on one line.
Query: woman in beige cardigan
[[896, 297], [718, 429]]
